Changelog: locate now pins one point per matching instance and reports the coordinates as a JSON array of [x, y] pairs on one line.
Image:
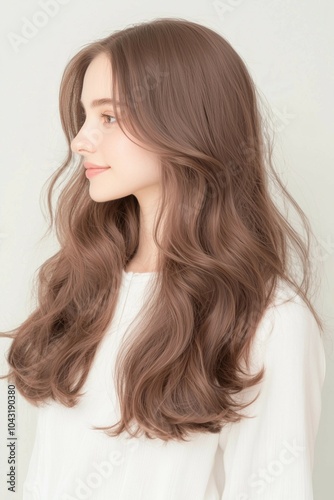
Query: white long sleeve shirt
[[268, 457]]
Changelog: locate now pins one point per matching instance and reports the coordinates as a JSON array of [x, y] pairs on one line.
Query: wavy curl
[[225, 245]]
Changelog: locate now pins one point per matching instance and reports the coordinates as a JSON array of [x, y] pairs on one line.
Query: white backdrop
[[288, 48]]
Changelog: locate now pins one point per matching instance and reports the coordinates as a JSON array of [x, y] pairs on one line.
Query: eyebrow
[[100, 102]]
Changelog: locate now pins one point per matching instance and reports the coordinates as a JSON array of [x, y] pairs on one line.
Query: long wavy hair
[[224, 249]]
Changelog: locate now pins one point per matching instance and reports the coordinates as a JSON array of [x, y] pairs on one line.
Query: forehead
[[97, 82]]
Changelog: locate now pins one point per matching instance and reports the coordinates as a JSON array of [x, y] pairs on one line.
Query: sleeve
[[270, 456]]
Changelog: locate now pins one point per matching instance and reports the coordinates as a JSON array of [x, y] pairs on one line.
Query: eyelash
[[108, 116], [103, 116]]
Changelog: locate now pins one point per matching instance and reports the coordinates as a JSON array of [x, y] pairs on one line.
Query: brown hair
[[225, 246]]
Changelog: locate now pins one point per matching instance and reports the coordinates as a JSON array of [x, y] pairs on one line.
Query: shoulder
[[288, 335], [288, 315]]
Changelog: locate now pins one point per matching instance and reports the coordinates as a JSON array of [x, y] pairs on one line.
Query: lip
[[90, 172], [88, 165]]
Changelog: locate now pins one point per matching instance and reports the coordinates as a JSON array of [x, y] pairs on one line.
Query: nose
[[86, 140], [79, 146]]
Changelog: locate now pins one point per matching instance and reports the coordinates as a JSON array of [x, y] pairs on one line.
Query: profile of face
[[101, 141]]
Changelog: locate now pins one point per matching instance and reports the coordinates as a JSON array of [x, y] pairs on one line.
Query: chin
[[99, 196]]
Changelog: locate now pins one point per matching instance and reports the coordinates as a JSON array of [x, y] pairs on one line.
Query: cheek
[[116, 145], [130, 160]]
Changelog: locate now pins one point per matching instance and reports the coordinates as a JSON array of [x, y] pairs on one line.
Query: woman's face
[[133, 169]]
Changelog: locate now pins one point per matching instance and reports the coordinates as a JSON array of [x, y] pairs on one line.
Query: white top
[[269, 457]]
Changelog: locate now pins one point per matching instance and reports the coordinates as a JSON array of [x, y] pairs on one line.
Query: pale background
[[288, 47]]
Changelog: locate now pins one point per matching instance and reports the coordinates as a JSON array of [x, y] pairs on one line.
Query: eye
[[107, 118]]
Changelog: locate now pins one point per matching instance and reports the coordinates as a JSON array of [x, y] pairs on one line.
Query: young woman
[[173, 353]]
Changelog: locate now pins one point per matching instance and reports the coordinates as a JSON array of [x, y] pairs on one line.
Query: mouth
[[91, 166], [91, 172]]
